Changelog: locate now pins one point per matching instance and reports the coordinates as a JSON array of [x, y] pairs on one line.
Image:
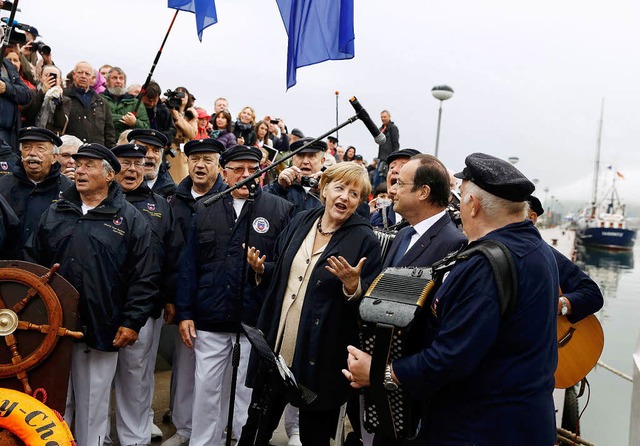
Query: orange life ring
[[31, 421]]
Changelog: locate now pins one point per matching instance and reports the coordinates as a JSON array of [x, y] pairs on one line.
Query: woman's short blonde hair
[[348, 173]]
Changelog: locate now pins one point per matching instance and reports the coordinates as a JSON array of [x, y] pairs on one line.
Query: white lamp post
[[441, 93]]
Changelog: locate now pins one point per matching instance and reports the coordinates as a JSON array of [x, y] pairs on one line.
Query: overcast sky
[[528, 76]]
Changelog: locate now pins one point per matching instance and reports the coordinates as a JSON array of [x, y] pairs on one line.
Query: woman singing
[[323, 262]]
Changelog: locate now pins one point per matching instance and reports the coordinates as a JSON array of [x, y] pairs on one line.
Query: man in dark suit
[[421, 197]]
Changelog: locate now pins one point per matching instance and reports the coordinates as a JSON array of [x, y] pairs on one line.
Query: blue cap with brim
[[98, 151], [38, 134]]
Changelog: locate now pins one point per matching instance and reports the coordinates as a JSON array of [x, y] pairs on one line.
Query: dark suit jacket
[[439, 240]]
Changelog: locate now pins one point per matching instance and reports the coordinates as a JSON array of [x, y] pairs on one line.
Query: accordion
[[389, 313]]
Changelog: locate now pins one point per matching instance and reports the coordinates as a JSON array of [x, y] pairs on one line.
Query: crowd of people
[[117, 185]]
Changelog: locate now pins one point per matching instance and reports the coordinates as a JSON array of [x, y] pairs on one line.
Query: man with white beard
[[34, 184], [122, 104]]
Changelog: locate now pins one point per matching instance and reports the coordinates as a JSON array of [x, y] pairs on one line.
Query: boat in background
[[603, 224]]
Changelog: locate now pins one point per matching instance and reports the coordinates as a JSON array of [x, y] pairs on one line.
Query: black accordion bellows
[[388, 313]]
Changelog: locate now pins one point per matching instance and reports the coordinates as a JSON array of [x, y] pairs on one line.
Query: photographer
[[13, 92], [185, 118], [243, 128], [299, 183], [158, 113], [46, 109]]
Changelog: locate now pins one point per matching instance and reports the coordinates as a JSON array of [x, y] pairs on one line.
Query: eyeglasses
[[126, 164], [399, 184], [240, 170]]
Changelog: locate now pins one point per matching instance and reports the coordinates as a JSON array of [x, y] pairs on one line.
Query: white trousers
[[92, 372], [156, 327], [213, 356], [183, 373], [134, 389]]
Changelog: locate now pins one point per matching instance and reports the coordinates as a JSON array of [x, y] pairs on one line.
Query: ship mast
[[596, 168]]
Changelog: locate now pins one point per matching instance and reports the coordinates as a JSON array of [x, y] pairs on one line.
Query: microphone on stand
[[378, 137]]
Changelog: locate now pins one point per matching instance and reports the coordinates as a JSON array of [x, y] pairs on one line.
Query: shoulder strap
[[502, 265]]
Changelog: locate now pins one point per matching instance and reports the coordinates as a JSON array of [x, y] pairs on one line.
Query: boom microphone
[[378, 137]]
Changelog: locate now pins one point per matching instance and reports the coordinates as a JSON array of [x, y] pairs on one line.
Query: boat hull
[[611, 238]]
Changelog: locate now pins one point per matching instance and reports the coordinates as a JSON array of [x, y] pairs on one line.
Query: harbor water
[[606, 418]]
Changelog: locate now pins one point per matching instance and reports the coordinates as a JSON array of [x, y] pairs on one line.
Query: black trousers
[[265, 411]]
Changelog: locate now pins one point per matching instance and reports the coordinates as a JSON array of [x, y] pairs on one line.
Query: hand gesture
[[348, 275], [255, 261]]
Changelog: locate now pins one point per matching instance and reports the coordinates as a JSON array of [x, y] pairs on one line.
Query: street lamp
[[441, 93]]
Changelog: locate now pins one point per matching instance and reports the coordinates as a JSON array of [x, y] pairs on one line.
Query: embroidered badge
[[260, 225], [118, 221], [151, 206], [4, 165]]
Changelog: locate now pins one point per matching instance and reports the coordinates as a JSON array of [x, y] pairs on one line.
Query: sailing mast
[[597, 164]]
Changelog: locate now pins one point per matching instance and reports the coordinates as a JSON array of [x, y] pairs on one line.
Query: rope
[[615, 372], [568, 437]]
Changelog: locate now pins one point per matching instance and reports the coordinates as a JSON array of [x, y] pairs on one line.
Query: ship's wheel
[[12, 323]]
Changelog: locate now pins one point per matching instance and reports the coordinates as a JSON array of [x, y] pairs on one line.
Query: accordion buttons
[[300, 278], [293, 296], [307, 261]]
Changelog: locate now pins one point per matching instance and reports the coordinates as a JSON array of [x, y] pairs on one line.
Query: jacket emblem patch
[[260, 225], [118, 221], [151, 206]]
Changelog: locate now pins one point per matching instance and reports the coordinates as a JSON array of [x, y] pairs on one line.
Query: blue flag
[[318, 30], [205, 11]]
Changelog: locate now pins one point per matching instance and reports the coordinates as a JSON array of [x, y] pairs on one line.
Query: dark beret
[[97, 151], [129, 151], [404, 153], [150, 136], [241, 153], [38, 134], [496, 176], [358, 157], [318, 146], [298, 133], [207, 145], [333, 139], [535, 205]]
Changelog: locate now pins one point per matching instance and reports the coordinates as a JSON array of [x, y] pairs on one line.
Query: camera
[[308, 181], [174, 99], [275, 121], [41, 47]]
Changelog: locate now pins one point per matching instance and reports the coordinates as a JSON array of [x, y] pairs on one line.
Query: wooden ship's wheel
[[10, 322], [38, 324]]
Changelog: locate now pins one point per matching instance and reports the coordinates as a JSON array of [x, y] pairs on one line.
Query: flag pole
[[337, 114], [155, 62], [9, 29]]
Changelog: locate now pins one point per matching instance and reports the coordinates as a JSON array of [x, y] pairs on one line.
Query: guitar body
[[579, 348]]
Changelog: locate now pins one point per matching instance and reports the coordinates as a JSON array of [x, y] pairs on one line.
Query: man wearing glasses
[[155, 171], [421, 197], [208, 304], [134, 374]]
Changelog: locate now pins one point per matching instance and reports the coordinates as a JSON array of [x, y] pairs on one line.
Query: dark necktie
[[404, 244]]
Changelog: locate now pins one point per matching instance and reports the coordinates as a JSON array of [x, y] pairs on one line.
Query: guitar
[[579, 348]]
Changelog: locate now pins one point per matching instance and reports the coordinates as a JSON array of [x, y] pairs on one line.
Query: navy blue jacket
[[9, 229], [583, 293], [164, 184], [29, 201], [107, 255], [17, 93], [158, 213], [438, 241], [183, 204], [211, 268], [489, 380], [376, 217], [328, 322]]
